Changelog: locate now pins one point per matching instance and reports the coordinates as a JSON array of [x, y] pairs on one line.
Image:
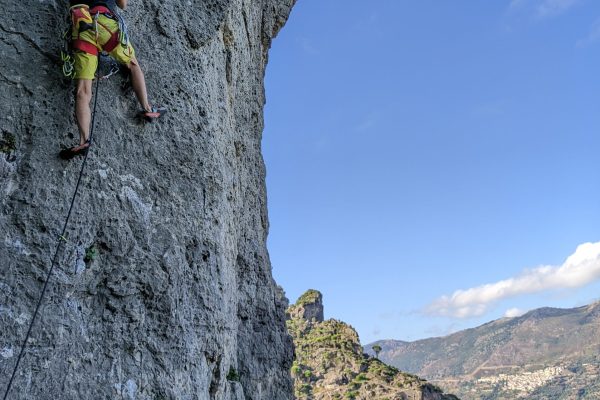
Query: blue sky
[[417, 151]]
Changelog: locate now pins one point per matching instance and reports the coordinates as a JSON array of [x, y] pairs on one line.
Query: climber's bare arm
[[122, 4]]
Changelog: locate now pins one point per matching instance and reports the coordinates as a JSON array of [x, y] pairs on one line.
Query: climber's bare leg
[[83, 113], [139, 84]]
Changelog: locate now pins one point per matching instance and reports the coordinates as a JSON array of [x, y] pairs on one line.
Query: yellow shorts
[[85, 63]]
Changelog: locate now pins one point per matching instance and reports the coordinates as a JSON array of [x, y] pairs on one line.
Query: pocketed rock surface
[[164, 288]]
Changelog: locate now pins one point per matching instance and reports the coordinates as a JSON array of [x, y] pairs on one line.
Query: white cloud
[[551, 8], [593, 35], [368, 123], [543, 8], [513, 312], [579, 269], [307, 46], [516, 4]]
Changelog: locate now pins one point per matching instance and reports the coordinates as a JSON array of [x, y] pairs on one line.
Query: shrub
[[90, 254], [296, 369], [306, 389], [8, 143], [233, 375]]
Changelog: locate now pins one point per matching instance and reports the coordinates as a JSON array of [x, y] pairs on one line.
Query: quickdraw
[[68, 67], [68, 64], [113, 66]]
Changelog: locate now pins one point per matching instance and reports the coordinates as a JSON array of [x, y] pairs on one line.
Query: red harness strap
[[112, 43], [86, 47], [101, 10]]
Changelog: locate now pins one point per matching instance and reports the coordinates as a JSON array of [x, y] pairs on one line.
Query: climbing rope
[[61, 238]]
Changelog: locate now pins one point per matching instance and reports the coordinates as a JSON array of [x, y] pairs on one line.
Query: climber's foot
[[152, 115], [67, 154]]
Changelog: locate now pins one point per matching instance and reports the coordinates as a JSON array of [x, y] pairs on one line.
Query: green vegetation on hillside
[[329, 363], [309, 297]]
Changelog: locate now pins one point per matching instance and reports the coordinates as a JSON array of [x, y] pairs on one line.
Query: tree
[[377, 350]]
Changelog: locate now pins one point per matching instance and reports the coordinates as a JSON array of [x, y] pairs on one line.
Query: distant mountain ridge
[[545, 353]]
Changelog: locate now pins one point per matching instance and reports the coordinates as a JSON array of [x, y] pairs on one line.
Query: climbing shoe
[[79, 150], [152, 115]]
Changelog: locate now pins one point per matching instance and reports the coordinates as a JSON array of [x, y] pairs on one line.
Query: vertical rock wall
[[176, 294]]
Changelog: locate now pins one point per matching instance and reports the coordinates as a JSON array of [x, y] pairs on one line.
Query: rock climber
[[96, 27]]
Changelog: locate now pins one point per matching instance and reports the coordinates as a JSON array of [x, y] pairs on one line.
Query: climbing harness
[[62, 238], [81, 19]]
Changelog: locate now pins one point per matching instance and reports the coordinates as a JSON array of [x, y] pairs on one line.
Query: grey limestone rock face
[[314, 311], [177, 294], [309, 307]]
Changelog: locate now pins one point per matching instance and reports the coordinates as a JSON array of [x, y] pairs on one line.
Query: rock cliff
[[329, 362], [308, 307], [164, 289]]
